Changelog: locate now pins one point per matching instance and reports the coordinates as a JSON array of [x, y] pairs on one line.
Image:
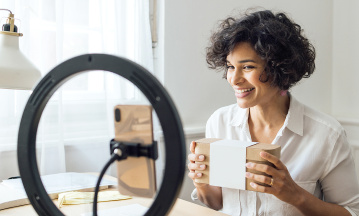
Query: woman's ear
[[283, 92]]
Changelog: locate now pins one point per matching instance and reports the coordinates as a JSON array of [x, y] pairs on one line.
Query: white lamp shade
[[16, 71]]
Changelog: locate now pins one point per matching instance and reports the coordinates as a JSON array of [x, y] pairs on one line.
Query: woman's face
[[244, 67]]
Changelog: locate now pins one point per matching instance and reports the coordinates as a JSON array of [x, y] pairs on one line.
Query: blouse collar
[[293, 120]]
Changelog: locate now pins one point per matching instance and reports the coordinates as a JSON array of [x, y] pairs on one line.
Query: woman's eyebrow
[[243, 61], [246, 60]]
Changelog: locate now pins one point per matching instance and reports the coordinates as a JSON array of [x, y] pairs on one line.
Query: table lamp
[[16, 71]]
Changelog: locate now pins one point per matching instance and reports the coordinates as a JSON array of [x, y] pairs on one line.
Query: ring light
[[159, 98]]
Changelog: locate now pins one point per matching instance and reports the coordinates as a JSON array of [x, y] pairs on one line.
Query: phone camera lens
[[117, 115]]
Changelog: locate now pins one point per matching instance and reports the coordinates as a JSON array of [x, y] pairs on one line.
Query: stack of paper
[[12, 192]]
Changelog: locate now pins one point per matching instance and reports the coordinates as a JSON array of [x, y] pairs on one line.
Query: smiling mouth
[[244, 90]]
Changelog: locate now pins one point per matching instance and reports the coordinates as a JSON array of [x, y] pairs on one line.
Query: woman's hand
[[192, 166], [280, 184], [207, 194]]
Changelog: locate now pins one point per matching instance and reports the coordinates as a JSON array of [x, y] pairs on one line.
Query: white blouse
[[314, 149]]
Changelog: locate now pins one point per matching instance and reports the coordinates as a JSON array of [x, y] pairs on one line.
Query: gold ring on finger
[[271, 182]]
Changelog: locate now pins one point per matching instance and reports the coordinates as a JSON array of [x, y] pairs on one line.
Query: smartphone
[[136, 176]]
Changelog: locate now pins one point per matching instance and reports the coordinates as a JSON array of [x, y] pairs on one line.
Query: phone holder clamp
[[131, 149]]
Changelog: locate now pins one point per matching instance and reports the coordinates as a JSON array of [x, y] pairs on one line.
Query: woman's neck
[[271, 114]]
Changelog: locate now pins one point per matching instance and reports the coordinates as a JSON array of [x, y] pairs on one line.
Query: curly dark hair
[[278, 40]]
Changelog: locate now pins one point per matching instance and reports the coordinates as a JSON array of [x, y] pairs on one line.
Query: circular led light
[[159, 98]]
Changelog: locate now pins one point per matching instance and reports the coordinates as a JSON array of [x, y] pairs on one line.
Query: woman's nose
[[235, 77]]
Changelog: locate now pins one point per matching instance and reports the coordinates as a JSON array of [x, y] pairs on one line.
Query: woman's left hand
[[282, 186]]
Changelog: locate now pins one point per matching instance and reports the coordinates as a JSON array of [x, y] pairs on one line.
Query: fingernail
[[248, 174], [249, 165], [201, 157], [252, 184], [263, 154], [199, 174], [202, 166]]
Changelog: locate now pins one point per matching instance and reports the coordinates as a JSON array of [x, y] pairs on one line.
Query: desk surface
[[181, 208]]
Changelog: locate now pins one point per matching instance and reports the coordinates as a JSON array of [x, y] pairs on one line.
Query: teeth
[[244, 90]]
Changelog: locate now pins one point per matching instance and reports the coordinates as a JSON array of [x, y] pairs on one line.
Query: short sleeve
[[339, 181]]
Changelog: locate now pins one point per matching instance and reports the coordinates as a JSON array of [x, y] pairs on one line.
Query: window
[[81, 110]]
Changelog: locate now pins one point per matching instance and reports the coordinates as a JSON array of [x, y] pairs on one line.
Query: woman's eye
[[248, 67], [230, 67]]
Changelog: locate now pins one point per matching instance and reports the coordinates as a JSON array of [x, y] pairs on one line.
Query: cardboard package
[[227, 164]]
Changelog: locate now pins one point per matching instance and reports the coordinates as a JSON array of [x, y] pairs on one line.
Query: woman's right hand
[[192, 166], [207, 194]]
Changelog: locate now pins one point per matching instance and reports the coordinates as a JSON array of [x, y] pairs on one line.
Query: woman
[[263, 56]]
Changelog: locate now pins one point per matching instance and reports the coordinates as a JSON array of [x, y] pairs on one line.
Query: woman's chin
[[243, 104]]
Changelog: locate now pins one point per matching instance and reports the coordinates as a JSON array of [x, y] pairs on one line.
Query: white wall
[[198, 91], [345, 59], [345, 98]]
